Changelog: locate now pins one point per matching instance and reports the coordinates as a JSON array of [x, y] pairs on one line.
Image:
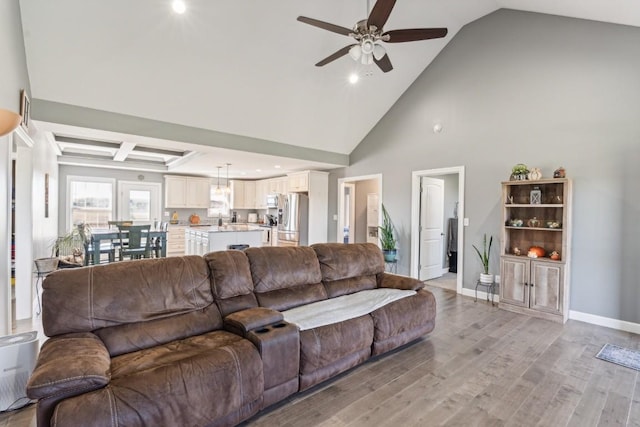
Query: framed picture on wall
[[25, 109]]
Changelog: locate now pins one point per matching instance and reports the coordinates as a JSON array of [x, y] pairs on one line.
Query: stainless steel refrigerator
[[293, 221]]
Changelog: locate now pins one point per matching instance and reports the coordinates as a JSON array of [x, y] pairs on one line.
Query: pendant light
[[228, 188], [218, 189]]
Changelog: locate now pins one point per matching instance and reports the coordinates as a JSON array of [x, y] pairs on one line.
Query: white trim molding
[[482, 295], [607, 322]]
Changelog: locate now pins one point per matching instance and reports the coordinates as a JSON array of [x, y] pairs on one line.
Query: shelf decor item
[[535, 174], [485, 277], [519, 172], [559, 173], [535, 197], [387, 238]]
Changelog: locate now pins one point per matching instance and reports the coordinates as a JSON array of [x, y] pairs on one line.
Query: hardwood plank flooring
[[481, 366]]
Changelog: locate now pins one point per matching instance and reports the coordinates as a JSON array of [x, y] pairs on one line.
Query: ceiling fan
[[369, 32]]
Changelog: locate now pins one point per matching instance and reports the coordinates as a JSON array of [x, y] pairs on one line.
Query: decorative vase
[[390, 254], [486, 278]]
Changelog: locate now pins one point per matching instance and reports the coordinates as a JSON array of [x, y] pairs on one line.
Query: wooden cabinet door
[[546, 286], [238, 194], [514, 279], [250, 195], [175, 194], [198, 193]]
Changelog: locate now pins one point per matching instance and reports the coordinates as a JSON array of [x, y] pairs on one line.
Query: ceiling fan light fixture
[[367, 59], [367, 46], [355, 52], [379, 52]]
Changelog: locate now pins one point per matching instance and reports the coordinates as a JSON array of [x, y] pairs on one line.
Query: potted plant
[[387, 238], [69, 248], [485, 277]]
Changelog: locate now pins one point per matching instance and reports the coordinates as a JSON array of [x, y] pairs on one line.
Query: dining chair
[[105, 248], [138, 243], [117, 244], [156, 244]]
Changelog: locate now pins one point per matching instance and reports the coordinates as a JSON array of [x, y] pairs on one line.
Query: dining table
[[100, 235]]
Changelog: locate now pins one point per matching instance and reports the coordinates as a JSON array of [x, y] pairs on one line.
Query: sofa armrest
[[396, 281], [243, 321], [70, 364]]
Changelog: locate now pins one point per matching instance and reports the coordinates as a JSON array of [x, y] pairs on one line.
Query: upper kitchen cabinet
[[298, 182], [243, 194], [186, 192]]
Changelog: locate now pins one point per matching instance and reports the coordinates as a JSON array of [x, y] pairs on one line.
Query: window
[[90, 201], [219, 203]]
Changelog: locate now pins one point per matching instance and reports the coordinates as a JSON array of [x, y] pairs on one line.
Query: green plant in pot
[[70, 247], [387, 238], [485, 277]]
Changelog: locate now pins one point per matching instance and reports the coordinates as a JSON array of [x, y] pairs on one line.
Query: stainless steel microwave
[[272, 200]]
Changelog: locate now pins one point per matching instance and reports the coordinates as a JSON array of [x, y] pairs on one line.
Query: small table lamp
[[8, 121]]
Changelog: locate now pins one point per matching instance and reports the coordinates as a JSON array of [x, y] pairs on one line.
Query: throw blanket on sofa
[[342, 308]]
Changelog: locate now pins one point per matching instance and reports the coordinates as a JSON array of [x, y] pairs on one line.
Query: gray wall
[[544, 90]]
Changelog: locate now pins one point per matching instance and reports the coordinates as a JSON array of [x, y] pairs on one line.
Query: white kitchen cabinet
[[261, 194], [243, 194], [298, 182], [250, 195], [373, 217], [186, 192]]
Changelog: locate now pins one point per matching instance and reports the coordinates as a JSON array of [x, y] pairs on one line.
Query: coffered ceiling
[[237, 67]]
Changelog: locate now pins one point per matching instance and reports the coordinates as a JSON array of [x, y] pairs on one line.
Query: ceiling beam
[[125, 149]]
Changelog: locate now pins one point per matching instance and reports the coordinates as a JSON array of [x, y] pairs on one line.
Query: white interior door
[[431, 231], [139, 201]]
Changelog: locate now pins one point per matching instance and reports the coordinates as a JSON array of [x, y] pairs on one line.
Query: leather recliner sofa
[[210, 341]]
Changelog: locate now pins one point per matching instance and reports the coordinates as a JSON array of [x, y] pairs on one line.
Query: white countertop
[[228, 228]]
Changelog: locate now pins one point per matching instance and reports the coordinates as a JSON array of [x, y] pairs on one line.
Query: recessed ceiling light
[[243, 173], [179, 6], [353, 78], [258, 170], [277, 166]]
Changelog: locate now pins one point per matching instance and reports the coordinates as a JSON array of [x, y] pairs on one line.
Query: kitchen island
[[204, 239]]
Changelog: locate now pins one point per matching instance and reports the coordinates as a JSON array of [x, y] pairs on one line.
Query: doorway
[[139, 201], [437, 201], [357, 219]]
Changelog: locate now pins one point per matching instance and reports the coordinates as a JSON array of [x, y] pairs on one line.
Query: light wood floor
[[481, 366]]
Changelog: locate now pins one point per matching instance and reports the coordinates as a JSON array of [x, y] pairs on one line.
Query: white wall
[[543, 90], [14, 77]]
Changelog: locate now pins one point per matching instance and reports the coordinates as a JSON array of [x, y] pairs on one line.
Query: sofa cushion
[[331, 349], [90, 298], [130, 337], [188, 382], [231, 281], [349, 268], [403, 320], [342, 308], [285, 277]]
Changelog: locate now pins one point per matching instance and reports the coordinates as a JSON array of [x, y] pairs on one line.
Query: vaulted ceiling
[[239, 68]]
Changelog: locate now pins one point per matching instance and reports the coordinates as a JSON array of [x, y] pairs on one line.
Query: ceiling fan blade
[[384, 63], [333, 57], [325, 25], [380, 13], [414, 34]]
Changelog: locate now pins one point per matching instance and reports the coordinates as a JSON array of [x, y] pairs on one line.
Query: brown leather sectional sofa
[[203, 341]]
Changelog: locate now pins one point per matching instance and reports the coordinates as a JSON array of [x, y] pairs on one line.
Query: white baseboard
[[482, 295], [608, 322], [445, 271]]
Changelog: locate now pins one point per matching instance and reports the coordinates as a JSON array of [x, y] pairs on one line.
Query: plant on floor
[[484, 258], [387, 238]]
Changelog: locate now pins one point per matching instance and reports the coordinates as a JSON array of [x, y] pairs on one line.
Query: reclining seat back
[[231, 282], [351, 268], [285, 277], [158, 301]]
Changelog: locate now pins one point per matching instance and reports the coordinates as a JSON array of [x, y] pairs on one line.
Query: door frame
[[422, 229], [415, 218], [157, 186], [352, 210], [354, 179]]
